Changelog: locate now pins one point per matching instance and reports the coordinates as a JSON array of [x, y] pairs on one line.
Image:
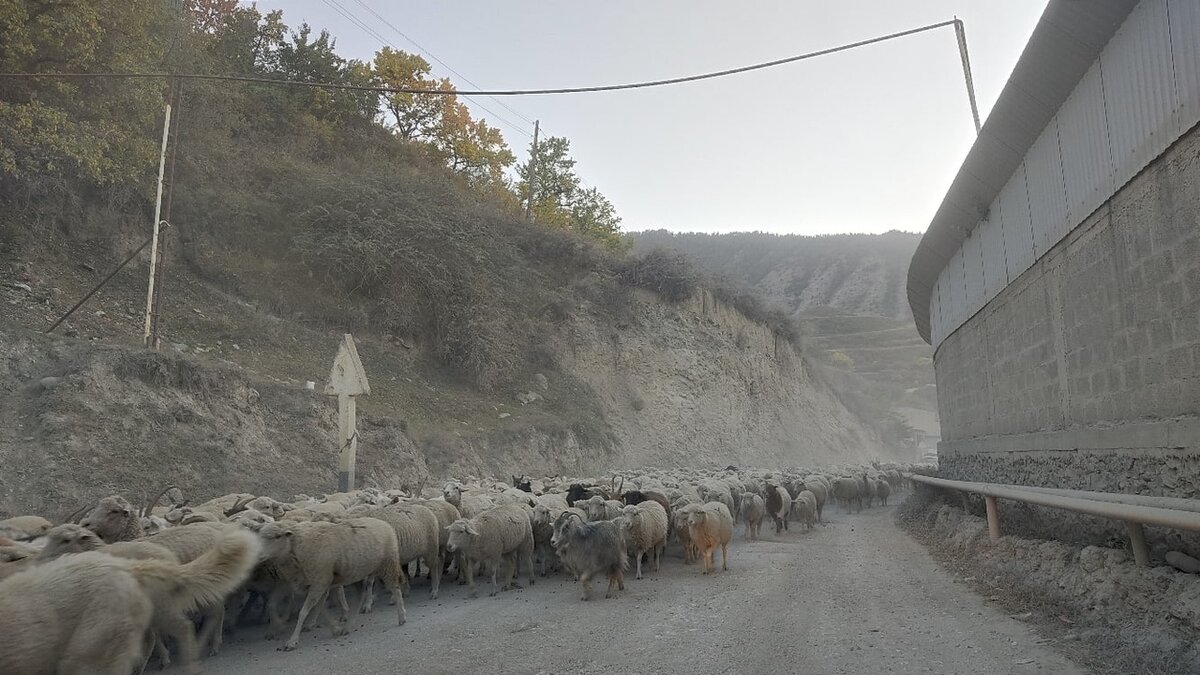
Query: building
[[1059, 282]]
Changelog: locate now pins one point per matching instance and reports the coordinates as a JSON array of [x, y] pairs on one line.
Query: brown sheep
[[88, 613], [710, 526]]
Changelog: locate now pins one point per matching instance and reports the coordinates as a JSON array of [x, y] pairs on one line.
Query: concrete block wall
[[1085, 371]]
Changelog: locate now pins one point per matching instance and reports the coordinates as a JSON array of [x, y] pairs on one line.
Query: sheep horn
[[75, 515], [192, 519], [150, 504], [238, 506]]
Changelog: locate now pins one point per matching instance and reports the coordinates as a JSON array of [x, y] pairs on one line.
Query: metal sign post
[[347, 379]]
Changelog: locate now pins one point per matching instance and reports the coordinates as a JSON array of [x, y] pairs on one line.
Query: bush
[[667, 273]]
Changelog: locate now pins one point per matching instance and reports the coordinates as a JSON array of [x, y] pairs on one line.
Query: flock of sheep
[[114, 586]]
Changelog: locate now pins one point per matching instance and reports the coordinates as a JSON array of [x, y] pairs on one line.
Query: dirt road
[[857, 596]]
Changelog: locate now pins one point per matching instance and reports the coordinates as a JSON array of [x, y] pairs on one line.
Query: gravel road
[[856, 596]]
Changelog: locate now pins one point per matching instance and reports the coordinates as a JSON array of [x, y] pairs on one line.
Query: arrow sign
[[347, 376], [347, 379]]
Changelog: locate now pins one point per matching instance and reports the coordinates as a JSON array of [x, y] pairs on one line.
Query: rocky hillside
[[848, 291], [224, 407]]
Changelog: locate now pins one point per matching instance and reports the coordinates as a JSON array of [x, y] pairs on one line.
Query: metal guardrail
[[1135, 511]]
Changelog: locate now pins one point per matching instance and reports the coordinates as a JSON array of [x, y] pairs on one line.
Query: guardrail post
[[993, 517], [1137, 543]]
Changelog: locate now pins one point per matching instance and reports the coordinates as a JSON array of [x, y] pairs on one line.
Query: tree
[[442, 123], [209, 16], [560, 200]]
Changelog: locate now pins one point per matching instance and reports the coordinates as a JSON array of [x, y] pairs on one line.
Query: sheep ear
[[471, 530]]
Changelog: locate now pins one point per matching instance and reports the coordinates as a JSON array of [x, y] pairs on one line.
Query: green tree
[[559, 198]]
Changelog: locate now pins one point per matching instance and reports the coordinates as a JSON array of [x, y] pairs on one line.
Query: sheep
[[268, 506], [152, 524], [15, 557], [779, 504], [710, 526], [503, 534], [88, 612], [867, 488], [645, 529], [189, 542], [114, 520], [753, 510], [599, 508], [542, 522], [820, 492], [318, 556], [71, 538], [679, 517], [554, 500], [590, 549], [417, 536], [848, 491], [24, 527], [468, 504], [805, 506], [883, 489]]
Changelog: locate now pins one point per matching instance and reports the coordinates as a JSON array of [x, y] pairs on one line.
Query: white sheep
[[502, 535], [710, 526], [645, 529]]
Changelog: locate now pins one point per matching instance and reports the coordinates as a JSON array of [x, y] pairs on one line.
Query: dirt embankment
[[1092, 602], [688, 384]]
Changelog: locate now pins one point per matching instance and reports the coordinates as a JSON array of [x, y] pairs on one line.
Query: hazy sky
[[861, 141]]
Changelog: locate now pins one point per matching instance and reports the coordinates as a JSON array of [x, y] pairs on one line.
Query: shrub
[[667, 273]]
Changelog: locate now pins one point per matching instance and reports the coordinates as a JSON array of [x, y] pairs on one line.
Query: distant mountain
[[856, 274]]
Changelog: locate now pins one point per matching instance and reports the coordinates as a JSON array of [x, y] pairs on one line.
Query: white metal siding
[[973, 271], [1018, 231], [1087, 164], [1047, 194], [1140, 95], [995, 273], [1139, 89], [1185, 46]]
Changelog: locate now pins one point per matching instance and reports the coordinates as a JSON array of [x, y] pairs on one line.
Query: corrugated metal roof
[[1067, 40]]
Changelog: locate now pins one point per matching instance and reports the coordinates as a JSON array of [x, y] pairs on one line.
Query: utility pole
[[531, 180], [162, 165], [961, 32], [175, 97]]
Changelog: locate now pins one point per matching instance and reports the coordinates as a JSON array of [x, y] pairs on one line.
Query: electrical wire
[[351, 17], [495, 92], [433, 56]]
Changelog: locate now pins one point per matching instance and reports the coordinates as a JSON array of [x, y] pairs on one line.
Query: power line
[[497, 92], [433, 56], [350, 16]]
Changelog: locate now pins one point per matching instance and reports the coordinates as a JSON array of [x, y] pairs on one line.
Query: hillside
[[297, 214], [848, 292]]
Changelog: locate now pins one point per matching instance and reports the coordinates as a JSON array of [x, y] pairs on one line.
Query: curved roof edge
[[1067, 40]]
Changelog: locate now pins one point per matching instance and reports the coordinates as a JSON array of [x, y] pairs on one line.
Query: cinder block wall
[[1085, 371]]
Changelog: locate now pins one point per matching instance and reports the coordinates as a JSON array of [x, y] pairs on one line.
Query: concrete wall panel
[[973, 270], [995, 271], [1185, 48]]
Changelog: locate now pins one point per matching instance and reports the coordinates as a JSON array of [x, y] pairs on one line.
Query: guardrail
[[1135, 511]]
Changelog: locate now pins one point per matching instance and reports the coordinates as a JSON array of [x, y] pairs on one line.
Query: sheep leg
[[434, 561], [495, 575], [276, 619], [179, 627], [468, 569], [316, 596], [368, 596], [528, 556], [638, 554], [585, 580], [214, 626], [342, 625], [725, 557]]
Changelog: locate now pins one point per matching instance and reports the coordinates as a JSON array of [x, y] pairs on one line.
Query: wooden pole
[[532, 179], [162, 165], [348, 436]]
